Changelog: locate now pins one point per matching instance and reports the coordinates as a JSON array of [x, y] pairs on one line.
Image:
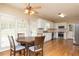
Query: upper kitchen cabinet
[[44, 24]]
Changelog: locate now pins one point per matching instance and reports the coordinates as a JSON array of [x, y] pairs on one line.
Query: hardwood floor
[[56, 48]]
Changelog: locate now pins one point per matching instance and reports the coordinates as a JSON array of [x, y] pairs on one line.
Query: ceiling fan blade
[[37, 7], [28, 4], [35, 11]]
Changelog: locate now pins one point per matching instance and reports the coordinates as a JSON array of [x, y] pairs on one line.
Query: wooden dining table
[[27, 41]]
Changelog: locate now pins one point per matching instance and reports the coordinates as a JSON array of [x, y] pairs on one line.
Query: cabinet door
[[48, 36]]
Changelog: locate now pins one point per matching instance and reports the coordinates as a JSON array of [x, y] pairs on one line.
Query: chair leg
[[24, 52], [10, 53], [34, 53], [42, 52], [14, 53], [29, 53], [20, 53]]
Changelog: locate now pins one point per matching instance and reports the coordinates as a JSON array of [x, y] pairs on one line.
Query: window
[[10, 25]]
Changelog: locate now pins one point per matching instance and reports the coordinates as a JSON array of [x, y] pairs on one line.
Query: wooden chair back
[[39, 41], [21, 35]]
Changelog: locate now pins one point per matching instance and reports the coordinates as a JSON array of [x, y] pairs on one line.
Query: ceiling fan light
[[32, 12], [29, 12], [26, 11], [61, 15]]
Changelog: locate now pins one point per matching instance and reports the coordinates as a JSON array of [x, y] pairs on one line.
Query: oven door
[[61, 35]]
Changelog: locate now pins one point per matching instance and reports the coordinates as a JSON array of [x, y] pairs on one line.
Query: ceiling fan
[[31, 10]]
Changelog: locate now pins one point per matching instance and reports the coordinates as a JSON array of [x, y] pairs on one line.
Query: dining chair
[[15, 48], [38, 46], [20, 35]]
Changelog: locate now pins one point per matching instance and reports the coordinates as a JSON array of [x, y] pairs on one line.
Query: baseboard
[[47, 41], [69, 39], [4, 49]]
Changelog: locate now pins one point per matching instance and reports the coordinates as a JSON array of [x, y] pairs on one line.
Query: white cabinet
[[70, 35], [48, 36]]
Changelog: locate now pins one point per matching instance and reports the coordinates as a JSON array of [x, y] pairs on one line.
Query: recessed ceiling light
[[61, 15]]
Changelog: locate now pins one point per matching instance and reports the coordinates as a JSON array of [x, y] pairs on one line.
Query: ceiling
[[50, 11]]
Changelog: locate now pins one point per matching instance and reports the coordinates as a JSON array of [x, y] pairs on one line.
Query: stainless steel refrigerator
[[76, 34]]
